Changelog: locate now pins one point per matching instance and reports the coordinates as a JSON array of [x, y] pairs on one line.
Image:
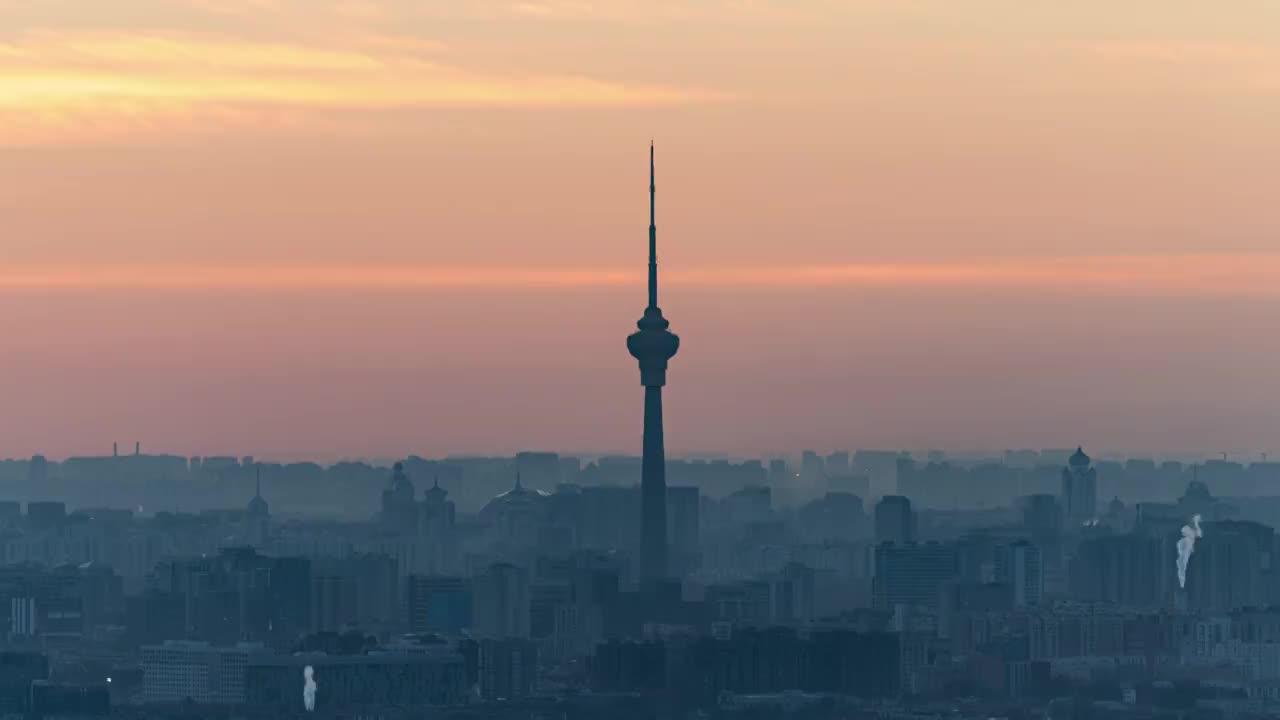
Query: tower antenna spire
[[653, 234]]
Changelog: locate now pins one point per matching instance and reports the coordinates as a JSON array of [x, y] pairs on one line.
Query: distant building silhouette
[[257, 516], [895, 521], [652, 346], [500, 603], [399, 510], [507, 668], [1042, 515], [1080, 488], [438, 604], [1018, 567], [912, 575], [437, 520]]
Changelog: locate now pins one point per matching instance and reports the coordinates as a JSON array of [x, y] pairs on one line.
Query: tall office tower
[[778, 473], [812, 467], [912, 575], [438, 604], [500, 603], [652, 346], [1229, 567], [1080, 488], [507, 668], [895, 522], [683, 526], [1019, 568], [1042, 515], [437, 535]]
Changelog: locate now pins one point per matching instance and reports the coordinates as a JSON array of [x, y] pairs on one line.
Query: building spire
[[653, 235]]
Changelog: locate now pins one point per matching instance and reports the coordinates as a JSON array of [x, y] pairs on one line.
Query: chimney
[[137, 448], [115, 449]]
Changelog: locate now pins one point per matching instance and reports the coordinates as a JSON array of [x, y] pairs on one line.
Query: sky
[[369, 228]]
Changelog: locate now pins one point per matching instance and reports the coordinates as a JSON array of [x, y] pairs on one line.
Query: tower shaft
[[653, 490]]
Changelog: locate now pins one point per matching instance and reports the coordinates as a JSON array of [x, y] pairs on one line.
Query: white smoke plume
[[309, 689], [1186, 546]]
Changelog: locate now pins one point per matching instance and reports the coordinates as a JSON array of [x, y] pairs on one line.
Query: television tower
[[652, 346]]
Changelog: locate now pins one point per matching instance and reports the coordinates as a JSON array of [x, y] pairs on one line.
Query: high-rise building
[[812, 466], [17, 671], [1227, 570], [438, 604], [333, 602], [838, 463], [546, 601], [778, 473], [683, 527], [37, 470], [1042, 515], [895, 521], [436, 530], [10, 514], [1018, 568], [507, 668], [912, 575], [1134, 570], [500, 602], [45, 514], [35, 602], [360, 589], [1080, 488], [240, 595], [653, 345]]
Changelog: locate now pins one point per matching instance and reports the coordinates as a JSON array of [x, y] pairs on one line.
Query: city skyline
[[315, 397]]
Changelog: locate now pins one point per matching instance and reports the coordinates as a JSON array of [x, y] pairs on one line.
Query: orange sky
[[1077, 199]]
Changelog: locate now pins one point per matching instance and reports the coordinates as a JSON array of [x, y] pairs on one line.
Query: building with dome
[[420, 534], [1080, 488], [516, 516], [517, 498], [399, 506]]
